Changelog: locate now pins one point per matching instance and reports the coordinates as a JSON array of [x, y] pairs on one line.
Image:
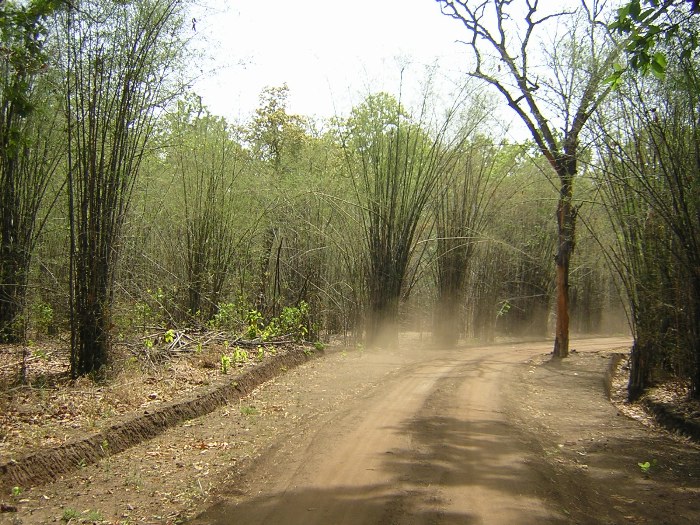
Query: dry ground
[[579, 454]]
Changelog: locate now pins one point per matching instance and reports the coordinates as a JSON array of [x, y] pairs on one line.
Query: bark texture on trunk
[[566, 237], [566, 218]]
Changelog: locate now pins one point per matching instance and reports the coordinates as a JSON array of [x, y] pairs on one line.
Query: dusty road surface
[[475, 435], [425, 436]]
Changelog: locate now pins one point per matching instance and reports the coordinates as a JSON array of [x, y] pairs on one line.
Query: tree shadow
[[374, 504], [448, 458]]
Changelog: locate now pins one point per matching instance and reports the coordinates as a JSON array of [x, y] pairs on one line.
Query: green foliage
[[149, 310], [104, 446], [615, 79], [254, 320], [41, 354], [225, 363], [92, 516], [28, 151], [206, 204], [16, 492], [649, 185], [143, 312], [169, 336], [89, 516], [249, 411], [227, 316], [129, 50], [294, 321], [646, 467], [70, 514], [647, 24], [240, 355], [275, 133], [395, 161], [43, 317], [504, 308], [23, 34]]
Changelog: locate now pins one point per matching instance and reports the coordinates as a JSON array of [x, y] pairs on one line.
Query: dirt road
[[476, 435], [447, 437]]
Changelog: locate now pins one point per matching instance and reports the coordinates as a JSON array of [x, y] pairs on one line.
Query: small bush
[[43, 317], [227, 317]]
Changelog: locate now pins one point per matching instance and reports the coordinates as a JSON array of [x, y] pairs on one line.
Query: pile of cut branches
[[158, 343]]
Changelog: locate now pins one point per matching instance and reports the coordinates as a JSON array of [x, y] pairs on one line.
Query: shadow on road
[[346, 505]]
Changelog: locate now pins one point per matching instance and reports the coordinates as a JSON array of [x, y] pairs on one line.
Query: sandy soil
[[495, 434]]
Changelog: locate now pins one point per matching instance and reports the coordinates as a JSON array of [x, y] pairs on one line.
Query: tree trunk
[[93, 296], [561, 341], [382, 325], [695, 337], [14, 262], [639, 369], [13, 289], [92, 352], [566, 227], [383, 322]]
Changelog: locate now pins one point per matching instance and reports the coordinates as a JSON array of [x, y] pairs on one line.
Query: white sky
[[330, 53]]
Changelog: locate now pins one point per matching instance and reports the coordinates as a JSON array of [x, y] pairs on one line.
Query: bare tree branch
[[570, 88]]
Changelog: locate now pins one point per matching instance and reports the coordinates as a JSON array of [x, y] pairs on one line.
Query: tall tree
[[277, 138], [554, 102], [651, 160], [27, 158], [208, 161], [118, 58], [395, 162], [464, 205]]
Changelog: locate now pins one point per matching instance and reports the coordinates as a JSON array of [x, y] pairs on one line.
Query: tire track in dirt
[[343, 462], [432, 444], [469, 458]]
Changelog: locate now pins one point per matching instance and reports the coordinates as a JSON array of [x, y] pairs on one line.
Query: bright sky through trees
[[330, 53]]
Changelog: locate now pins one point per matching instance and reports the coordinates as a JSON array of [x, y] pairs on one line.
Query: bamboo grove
[[125, 203]]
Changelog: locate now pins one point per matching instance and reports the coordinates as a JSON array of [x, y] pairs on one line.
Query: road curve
[[432, 443]]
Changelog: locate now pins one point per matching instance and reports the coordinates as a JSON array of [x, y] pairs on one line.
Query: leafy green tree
[[308, 243], [275, 134], [650, 181], [522, 241], [278, 140], [208, 162]]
